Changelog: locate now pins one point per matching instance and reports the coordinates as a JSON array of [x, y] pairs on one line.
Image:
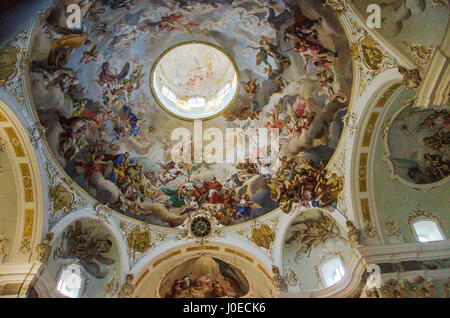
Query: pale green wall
[[399, 200]]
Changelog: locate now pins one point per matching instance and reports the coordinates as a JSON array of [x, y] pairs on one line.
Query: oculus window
[[194, 80]]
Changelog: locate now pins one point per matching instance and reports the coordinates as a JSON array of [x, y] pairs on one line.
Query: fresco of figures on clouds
[[204, 277], [419, 145], [89, 253], [91, 90], [312, 238]]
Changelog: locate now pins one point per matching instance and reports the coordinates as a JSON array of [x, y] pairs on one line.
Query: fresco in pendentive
[[90, 248], [204, 277], [312, 238], [91, 90], [419, 144]]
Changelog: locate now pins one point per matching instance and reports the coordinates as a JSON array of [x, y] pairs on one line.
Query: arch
[[46, 283], [27, 166], [354, 265], [110, 225], [153, 272], [286, 221], [380, 88]]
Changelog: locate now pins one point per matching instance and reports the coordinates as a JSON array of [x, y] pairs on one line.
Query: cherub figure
[[252, 86], [89, 56]]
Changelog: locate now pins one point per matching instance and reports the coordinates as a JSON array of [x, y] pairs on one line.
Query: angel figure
[[109, 78], [300, 119], [89, 56], [252, 86], [169, 23], [273, 120], [134, 82], [244, 206], [169, 171], [267, 48]]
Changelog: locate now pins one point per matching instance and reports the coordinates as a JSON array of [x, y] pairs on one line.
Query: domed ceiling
[[264, 64], [194, 80]]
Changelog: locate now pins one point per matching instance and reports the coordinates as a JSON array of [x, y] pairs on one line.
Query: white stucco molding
[[405, 252], [366, 102]]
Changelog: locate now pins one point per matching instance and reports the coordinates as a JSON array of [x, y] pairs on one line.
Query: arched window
[[70, 281], [427, 230], [223, 92], [169, 94], [196, 102], [332, 270]]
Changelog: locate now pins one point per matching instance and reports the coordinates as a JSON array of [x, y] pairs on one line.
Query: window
[[427, 231], [332, 270], [70, 281], [196, 102], [223, 92], [169, 94]]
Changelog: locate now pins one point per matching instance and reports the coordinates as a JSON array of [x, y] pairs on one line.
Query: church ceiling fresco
[[419, 144], [313, 237], [93, 248], [92, 92], [204, 276]]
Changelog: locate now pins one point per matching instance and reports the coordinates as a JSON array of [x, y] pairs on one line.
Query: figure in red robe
[[213, 188]]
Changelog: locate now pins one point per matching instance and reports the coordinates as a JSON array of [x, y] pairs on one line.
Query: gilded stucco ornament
[[261, 233], [102, 214], [113, 287], [371, 54], [127, 289], [278, 280], [2, 174], [15, 55], [422, 288], [421, 54], [139, 239], [350, 121], [421, 213], [392, 288], [411, 78], [438, 3], [37, 132], [63, 195], [8, 61], [282, 282], [392, 228], [2, 145], [373, 60], [25, 245], [352, 234], [370, 57], [61, 198], [369, 230], [43, 249], [3, 242], [372, 293], [338, 6], [200, 226]]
